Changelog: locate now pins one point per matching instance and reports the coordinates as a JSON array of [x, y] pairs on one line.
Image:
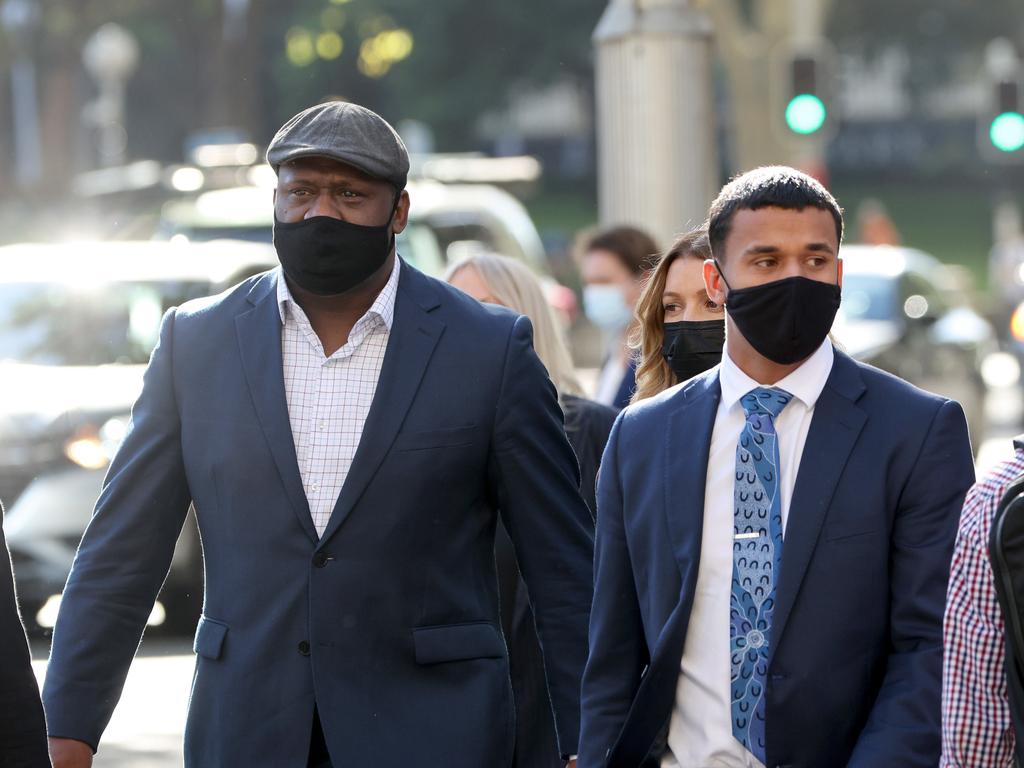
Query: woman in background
[[680, 332], [494, 279], [613, 264]]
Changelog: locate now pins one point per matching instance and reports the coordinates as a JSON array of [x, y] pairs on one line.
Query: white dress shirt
[[330, 397], [609, 380], [700, 733]]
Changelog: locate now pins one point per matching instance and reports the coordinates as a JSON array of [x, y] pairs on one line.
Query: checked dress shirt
[[329, 398], [976, 727]]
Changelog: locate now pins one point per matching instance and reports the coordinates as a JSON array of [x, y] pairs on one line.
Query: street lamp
[[19, 19], [236, 13], [110, 56]]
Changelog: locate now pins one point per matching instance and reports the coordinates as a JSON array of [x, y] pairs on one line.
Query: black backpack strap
[[1008, 520]]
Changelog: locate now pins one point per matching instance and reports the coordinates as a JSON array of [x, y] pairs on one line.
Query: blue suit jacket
[[854, 676], [389, 622]]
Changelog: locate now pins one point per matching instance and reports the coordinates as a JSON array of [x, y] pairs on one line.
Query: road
[[147, 726], [146, 729]]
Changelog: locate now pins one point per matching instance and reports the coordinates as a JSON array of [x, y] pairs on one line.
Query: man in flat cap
[[347, 430]]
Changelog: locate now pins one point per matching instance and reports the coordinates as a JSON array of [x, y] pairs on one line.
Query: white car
[[446, 221], [77, 324]]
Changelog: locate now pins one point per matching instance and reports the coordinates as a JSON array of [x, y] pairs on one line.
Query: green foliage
[[467, 56]]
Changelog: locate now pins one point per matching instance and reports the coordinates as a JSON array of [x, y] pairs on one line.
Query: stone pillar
[[658, 162]]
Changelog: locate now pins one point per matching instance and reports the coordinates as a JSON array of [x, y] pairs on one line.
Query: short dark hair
[[634, 248], [776, 186]]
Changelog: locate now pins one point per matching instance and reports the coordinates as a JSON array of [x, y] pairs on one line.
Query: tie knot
[[765, 401]]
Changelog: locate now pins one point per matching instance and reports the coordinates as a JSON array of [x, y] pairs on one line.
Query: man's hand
[[70, 753], [571, 763]]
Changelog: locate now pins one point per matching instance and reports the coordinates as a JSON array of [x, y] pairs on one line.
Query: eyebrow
[[757, 250]]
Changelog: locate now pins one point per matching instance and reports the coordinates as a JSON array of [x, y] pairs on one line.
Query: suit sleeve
[[122, 560], [22, 729], [535, 479], [618, 651], [904, 726]]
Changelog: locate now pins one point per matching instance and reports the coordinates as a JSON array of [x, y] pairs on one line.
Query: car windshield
[[67, 324], [868, 297]]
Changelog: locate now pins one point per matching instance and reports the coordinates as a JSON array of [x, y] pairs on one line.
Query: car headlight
[[92, 448], [1017, 324]]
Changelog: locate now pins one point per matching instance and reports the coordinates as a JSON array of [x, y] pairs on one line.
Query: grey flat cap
[[346, 132]]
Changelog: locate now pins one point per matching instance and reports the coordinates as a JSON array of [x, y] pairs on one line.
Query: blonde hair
[[653, 374], [516, 287]]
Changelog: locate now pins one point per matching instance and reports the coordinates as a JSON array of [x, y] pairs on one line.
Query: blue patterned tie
[[756, 554]]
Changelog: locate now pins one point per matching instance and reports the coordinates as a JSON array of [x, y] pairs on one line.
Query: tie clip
[[741, 536]]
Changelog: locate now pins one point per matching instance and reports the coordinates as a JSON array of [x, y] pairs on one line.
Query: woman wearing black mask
[[681, 332]]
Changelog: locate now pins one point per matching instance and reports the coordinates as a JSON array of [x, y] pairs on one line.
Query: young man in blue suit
[[347, 430], [774, 536]]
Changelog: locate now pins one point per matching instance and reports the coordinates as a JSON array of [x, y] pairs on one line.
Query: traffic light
[[807, 105], [1006, 130]]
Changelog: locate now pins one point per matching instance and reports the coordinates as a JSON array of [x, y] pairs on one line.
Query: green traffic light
[[1007, 132], [805, 114]]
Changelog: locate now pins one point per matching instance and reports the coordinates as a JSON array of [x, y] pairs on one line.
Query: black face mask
[[690, 348], [328, 256], [787, 320]]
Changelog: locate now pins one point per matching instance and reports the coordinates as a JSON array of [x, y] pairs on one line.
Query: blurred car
[[446, 222], [77, 325], [903, 312]]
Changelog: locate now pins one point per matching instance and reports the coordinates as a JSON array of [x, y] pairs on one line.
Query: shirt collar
[[383, 306], [805, 383]]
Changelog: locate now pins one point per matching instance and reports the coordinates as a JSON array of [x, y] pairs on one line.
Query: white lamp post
[[657, 158], [19, 19], [110, 56], [236, 13]]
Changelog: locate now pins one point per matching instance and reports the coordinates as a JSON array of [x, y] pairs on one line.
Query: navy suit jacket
[[855, 671], [22, 730], [389, 622]]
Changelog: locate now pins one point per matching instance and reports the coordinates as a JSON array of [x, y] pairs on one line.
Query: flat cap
[[346, 132]]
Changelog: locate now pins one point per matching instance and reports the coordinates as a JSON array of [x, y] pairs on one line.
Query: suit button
[[304, 648], [320, 559]]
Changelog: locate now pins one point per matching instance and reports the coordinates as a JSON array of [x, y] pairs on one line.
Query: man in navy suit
[[347, 430], [774, 536]]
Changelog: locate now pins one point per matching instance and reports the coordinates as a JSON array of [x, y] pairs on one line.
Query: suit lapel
[[259, 340], [414, 335], [687, 447], [835, 426], [688, 444]]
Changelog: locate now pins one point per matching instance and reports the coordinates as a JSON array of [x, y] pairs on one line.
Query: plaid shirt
[[330, 397], [976, 727]]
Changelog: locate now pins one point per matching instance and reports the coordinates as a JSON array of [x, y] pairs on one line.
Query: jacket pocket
[[210, 634], [849, 530], [458, 642], [435, 438]]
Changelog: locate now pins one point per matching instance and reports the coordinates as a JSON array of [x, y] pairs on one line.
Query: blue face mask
[[605, 306]]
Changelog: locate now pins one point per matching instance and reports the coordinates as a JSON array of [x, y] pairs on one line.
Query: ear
[[401, 219], [839, 272], [713, 283]]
